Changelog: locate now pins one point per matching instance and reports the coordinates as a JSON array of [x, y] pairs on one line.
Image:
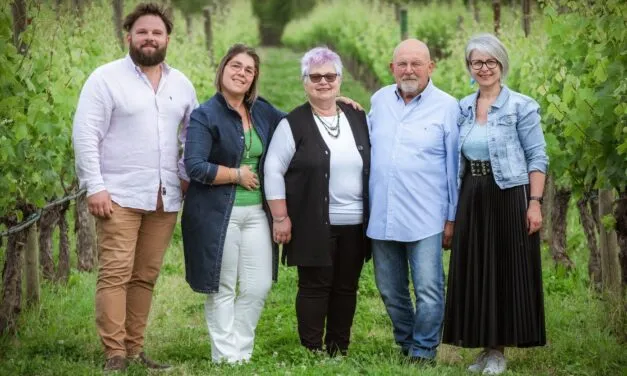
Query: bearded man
[[413, 197], [126, 128]]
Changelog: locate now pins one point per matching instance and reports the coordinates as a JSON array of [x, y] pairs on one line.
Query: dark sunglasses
[[329, 77]]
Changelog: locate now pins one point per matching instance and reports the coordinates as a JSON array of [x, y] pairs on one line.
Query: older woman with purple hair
[[316, 185]]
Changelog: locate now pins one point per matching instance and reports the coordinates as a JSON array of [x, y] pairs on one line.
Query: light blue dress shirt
[[413, 179]]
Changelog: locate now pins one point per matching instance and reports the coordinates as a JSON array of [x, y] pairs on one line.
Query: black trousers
[[330, 292]]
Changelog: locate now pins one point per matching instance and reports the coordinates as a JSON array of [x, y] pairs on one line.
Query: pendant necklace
[[250, 135], [332, 130]]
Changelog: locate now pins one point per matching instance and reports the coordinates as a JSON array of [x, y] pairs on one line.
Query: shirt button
[[326, 199], [326, 175]]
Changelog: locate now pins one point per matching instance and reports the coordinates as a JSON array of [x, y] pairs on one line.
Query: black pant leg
[[312, 301], [348, 261]]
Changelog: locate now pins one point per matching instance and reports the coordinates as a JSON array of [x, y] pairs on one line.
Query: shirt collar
[[498, 103], [425, 93], [165, 68]]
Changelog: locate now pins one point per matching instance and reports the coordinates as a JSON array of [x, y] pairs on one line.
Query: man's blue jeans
[[417, 330]]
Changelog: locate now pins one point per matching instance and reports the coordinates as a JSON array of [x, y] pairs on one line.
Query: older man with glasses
[[413, 196]]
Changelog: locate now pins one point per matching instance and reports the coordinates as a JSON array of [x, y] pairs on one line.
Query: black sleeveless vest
[[307, 186]]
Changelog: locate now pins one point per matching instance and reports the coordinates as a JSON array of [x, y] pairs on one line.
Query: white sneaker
[[479, 363], [495, 363]]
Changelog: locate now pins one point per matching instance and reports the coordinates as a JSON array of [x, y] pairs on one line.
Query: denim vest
[[515, 140]]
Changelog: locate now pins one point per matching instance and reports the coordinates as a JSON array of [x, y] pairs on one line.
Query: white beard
[[409, 87]]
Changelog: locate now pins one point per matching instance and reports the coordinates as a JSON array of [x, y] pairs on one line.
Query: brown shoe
[[116, 363], [145, 361]]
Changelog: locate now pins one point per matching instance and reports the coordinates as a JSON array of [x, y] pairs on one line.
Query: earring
[[472, 81]]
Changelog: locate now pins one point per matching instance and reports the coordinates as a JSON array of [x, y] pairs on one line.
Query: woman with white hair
[[316, 185], [494, 297]]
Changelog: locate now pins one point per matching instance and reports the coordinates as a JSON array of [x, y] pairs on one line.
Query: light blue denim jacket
[[515, 139]]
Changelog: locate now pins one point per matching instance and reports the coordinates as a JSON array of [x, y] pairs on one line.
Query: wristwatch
[[536, 198]]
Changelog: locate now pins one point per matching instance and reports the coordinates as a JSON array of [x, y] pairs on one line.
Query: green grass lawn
[[59, 337]]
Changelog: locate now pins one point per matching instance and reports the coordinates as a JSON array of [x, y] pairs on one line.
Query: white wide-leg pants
[[245, 279]]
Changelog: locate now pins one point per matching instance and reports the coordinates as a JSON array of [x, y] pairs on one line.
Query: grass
[[59, 337]]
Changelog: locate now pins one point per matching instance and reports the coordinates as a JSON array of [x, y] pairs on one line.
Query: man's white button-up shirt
[[126, 134]]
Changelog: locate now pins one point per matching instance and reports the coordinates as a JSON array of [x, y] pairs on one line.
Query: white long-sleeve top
[[126, 135], [345, 181]]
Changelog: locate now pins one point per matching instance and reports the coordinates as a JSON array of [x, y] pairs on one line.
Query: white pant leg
[[220, 306], [255, 278]]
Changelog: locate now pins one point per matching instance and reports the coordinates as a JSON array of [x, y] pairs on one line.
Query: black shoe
[[422, 362]]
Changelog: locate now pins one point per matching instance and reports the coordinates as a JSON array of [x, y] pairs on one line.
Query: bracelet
[[536, 198], [231, 176], [279, 220], [239, 176]]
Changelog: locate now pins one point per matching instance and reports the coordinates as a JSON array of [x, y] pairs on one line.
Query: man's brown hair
[[145, 9]]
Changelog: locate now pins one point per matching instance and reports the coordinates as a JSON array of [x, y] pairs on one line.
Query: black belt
[[479, 168]]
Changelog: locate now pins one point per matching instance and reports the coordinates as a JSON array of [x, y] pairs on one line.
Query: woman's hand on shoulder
[[350, 102]]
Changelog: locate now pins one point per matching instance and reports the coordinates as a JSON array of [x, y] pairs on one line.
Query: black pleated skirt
[[494, 295]]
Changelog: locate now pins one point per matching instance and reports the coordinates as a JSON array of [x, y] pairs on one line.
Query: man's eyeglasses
[[478, 64], [248, 71], [329, 77]]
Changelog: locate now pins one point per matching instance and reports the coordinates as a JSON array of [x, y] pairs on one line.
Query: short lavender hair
[[319, 56]]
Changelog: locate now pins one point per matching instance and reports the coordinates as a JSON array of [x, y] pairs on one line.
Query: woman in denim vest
[[494, 297]]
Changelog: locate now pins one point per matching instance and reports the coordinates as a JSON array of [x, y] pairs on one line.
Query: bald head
[[412, 46], [411, 67]]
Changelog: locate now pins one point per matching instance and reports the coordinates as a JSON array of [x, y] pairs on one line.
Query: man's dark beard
[[144, 60]]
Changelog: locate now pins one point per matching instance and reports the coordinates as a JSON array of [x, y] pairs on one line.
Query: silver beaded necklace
[[332, 130]]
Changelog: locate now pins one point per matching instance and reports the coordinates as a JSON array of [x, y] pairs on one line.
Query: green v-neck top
[[251, 157]]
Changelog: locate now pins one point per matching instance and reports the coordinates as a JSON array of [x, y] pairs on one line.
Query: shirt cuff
[[95, 189], [538, 166], [275, 197], [183, 175], [451, 212]]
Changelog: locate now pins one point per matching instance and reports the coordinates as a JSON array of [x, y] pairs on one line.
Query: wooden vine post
[[208, 34], [118, 9], [404, 27], [475, 10], [47, 223], [559, 212], [63, 266], [549, 189], [12, 282], [11, 303], [526, 21], [496, 6], [610, 267], [31, 266], [590, 229], [84, 227], [18, 10]]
